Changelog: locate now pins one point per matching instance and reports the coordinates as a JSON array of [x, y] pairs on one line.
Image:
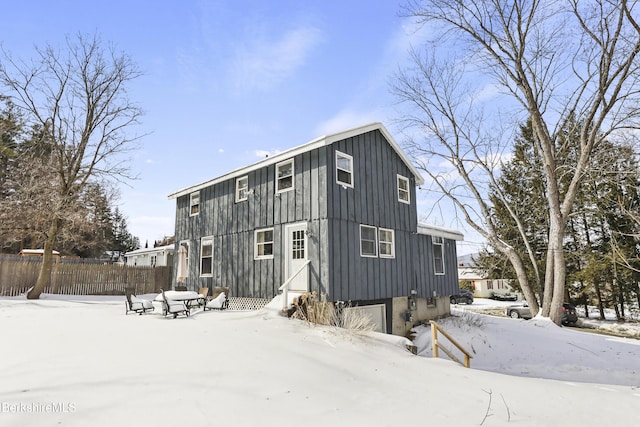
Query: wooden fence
[[17, 276]]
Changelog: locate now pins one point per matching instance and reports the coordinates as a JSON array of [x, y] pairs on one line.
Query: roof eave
[[447, 233], [311, 145]]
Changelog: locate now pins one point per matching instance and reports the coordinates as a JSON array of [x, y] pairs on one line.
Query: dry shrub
[[308, 308], [357, 320]]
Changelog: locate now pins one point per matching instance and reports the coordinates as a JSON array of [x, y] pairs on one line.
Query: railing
[[435, 345], [285, 286]]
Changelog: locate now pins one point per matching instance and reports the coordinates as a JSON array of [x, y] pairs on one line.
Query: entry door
[[296, 256]]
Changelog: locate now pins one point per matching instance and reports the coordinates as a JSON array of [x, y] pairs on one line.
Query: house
[[151, 257], [39, 253], [483, 287], [336, 215]]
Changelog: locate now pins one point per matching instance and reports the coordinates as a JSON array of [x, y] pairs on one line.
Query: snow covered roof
[[36, 252], [316, 143], [170, 247], [446, 233]]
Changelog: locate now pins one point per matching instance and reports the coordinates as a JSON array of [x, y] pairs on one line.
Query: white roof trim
[[37, 252], [311, 145], [446, 233], [151, 250]]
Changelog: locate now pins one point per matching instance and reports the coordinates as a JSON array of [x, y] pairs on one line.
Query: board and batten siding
[[427, 281], [232, 226], [372, 201]]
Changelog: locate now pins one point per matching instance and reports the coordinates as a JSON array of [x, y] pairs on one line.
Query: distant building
[[39, 253], [151, 257], [483, 287]]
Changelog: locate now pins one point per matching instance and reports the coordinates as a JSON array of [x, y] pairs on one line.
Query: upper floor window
[[403, 189], [284, 176], [368, 241], [194, 203], [264, 244], [438, 255], [386, 243], [344, 169], [242, 189], [206, 256]]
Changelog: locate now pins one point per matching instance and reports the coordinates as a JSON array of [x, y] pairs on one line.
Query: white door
[[296, 256]]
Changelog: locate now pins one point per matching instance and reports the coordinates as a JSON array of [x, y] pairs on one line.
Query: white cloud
[[264, 63]]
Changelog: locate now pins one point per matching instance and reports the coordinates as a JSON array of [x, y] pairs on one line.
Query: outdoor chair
[[204, 296], [173, 307], [135, 304], [220, 299]]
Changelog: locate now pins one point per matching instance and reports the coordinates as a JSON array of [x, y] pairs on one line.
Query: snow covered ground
[[80, 361]]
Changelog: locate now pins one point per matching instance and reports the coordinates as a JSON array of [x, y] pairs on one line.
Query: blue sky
[[227, 81]]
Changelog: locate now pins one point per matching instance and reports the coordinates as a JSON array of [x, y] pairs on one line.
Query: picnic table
[[186, 296]]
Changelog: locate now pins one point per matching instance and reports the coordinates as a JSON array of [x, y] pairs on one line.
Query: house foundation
[[407, 312]]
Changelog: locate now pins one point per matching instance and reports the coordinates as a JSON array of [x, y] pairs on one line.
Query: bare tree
[[78, 98], [506, 62]]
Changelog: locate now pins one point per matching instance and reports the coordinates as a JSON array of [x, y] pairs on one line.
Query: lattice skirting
[[246, 303]]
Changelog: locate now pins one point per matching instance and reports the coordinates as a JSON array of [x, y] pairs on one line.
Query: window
[[403, 189], [154, 260], [242, 189], [194, 204], [284, 176], [206, 256], [489, 284], [438, 255], [344, 169], [264, 244], [368, 242], [387, 246]]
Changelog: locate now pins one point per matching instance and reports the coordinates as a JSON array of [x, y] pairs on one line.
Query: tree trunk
[[521, 273], [596, 285], [44, 276]]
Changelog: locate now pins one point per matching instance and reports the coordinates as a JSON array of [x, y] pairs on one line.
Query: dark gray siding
[[373, 201], [333, 214], [426, 280], [232, 226]]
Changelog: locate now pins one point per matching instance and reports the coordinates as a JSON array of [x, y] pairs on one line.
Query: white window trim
[[191, 204], [392, 242], [375, 245], [293, 174], [408, 191], [255, 245], [246, 194], [439, 241], [202, 243], [350, 158]]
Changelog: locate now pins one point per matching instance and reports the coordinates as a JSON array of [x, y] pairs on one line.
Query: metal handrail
[[435, 345], [285, 286]]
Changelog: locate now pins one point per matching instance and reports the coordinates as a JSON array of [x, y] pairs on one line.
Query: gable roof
[[311, 145]]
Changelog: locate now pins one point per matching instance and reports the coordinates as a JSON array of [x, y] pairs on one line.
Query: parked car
[[522, 311], [463, 296], [519, 311], [504, 297], [569, 315]]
